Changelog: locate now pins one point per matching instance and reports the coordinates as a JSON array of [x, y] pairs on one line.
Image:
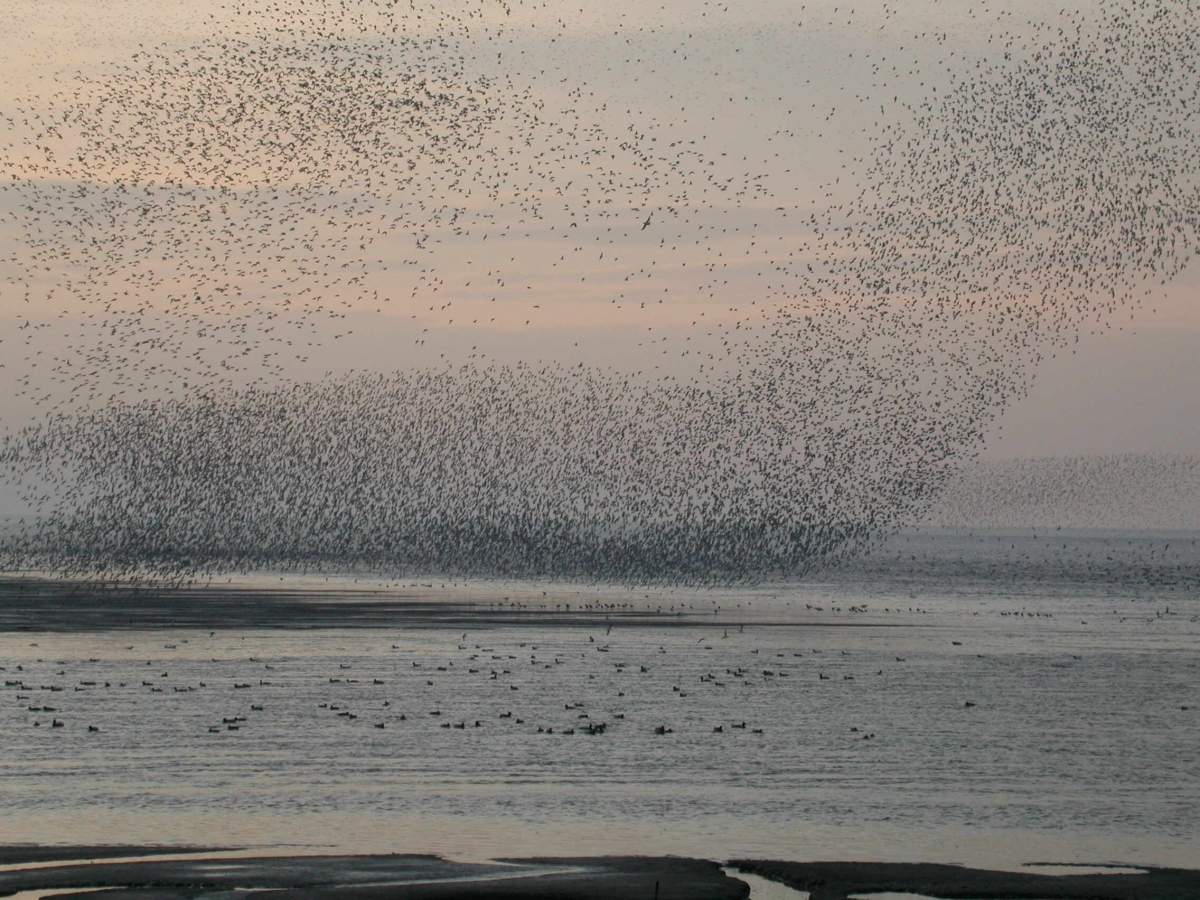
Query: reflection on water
[[1078, 869], [894, 715], [765, 889]]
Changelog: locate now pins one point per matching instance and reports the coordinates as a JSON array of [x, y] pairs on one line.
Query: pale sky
[[1135, 389]]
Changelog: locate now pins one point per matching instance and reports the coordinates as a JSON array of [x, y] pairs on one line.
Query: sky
[[768, 87]]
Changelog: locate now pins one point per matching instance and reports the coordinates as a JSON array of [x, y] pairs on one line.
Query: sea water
[[991, 698]]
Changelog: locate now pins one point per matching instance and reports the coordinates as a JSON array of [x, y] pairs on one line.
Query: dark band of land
[[16, 854], [392, 876], [841, 880], [422, 877], [47, 605]]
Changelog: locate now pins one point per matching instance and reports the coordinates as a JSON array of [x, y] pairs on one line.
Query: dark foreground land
[[586, 878], [393, 876], [840, 880]]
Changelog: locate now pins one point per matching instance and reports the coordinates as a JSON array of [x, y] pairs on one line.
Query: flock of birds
[[613, 685], [1036, 561], [192, 223], [1146, 491]]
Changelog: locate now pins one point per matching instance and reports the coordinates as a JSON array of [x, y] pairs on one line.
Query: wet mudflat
[[563, 878], [16, 854], [414, 876], [31, 604], [967, 702], [844, 880]]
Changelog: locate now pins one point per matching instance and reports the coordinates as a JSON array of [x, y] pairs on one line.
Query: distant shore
[[47, 605], [19, 854], [577, 878]]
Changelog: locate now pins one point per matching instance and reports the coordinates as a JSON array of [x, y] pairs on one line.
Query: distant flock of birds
[[597, 707], [1121, 491], [196, 218]]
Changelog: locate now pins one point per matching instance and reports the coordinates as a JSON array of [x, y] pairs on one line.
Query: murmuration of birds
[[1151, 492], [189, 223]]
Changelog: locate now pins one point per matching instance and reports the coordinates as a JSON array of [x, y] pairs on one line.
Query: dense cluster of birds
[[195, 220], [1130, 490], [1030, 560]]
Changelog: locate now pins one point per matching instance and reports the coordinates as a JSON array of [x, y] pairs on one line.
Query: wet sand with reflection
[[846, 880], [20, 854], [562, 878], [864, 691]]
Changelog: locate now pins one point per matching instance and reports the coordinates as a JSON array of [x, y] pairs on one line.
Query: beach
[[965, 701], [563, 878]]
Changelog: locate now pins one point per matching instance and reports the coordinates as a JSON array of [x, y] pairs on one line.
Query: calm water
[[1078, 651]]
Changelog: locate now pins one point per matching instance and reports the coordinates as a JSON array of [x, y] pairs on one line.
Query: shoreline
[[844, 880], [125, 871], [415, 876], [39, 854], [72, 607]]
